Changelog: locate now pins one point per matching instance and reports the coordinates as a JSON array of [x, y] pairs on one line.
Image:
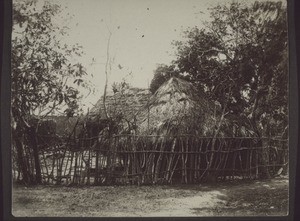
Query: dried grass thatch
[[126, 103], [177, 108]]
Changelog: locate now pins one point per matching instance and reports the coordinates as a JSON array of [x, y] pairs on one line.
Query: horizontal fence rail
[[131, 159]]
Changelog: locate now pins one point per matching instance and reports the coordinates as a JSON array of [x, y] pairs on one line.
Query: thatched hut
[[178, 108], [122, 107], [128, 102]]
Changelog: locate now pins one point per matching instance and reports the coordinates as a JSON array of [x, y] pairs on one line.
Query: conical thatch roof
[[177, 108]]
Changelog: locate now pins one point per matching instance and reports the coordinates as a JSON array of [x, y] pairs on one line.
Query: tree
[[107, 71], [161, 74], [240, 60], [43, 76]]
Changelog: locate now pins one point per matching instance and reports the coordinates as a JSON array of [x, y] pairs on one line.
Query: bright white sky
[[142, 32]]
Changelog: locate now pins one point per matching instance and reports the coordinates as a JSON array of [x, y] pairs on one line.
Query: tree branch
[[107, 65]]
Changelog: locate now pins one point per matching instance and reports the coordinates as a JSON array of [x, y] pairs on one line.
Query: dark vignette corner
[[5, 108]]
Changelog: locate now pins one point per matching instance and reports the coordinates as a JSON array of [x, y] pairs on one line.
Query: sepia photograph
[[150, 108]]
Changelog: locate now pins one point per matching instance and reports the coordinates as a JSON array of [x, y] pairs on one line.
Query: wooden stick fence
[[139, 160]]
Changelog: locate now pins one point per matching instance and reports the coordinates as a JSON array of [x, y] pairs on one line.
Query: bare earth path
[[230, 198]]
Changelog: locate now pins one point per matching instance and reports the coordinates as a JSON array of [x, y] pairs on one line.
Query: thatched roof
[[127, 103], [177, 107]]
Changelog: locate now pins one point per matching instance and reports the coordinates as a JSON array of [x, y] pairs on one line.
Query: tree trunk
[[263, 153], [33, 141], [264, 160], [16, 135]]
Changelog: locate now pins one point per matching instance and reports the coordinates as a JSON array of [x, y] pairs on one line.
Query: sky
[[142, 34]]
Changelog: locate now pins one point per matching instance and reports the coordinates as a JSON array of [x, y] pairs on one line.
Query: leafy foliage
[[240, 60], [161, 75], [41, 64], [44, 77]]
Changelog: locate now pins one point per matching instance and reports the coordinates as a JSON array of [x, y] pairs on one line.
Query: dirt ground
[[231, 198]]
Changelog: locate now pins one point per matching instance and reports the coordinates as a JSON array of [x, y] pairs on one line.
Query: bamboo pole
[[250, 163], [182, 162], [221, 158], [71, 166], [46, 165], [75, 176], [171, 159], [185, 160], [89, 167], [158, 162], [67, 163], [226, 158], [53, 164], [57, 163], [174, 168], [198, 164], [193, 161], [80, 159]]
